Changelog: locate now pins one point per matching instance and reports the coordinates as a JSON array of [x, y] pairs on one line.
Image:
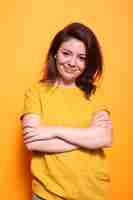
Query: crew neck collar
[[66, 87]]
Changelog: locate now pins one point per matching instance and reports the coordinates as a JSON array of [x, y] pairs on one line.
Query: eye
[[65, 53], [82, 58]]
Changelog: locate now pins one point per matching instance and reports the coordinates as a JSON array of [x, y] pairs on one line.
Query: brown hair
[[94, 60]]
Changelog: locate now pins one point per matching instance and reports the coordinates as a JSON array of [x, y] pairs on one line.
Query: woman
[[64, 124]]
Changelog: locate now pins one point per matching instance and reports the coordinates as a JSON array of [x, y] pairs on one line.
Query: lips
[[69, 70]]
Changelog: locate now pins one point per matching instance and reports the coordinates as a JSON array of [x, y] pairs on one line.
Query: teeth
[[69, 71]]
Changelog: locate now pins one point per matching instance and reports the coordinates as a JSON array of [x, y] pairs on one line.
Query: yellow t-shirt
[[73, 175]]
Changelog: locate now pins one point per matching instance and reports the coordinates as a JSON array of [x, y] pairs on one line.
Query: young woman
[[64, 124]]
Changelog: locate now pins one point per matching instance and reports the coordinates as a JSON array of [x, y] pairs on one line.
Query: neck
[[65, 83]]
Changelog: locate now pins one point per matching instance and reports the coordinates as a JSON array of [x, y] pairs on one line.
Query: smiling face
[[70, 60]]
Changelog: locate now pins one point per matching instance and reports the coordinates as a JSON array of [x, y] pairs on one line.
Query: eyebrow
[[83, 54]]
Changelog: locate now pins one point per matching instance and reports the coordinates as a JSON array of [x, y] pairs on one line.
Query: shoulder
[[39, 88], [100, 101]]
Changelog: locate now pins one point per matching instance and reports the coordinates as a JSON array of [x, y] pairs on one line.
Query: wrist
[[49, 132], [54, 131], [61, 131], [57, 131]]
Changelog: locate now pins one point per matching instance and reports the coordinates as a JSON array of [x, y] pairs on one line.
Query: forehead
[[73, 44]]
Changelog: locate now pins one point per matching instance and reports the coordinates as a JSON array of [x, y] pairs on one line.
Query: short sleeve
[[100, 101], [31, 102]]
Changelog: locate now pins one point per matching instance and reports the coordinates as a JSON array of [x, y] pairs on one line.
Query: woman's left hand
[[101, 119]]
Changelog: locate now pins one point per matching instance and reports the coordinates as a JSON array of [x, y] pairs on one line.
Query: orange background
[[26, 29]]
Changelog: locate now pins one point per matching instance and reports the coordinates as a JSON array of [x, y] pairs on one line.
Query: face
[[70, 60]]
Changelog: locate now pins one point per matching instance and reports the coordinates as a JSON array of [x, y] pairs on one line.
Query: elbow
[[108, 143], [30, 147], [108, 139]]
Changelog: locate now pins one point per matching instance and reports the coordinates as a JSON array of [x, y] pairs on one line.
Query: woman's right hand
[[34, 130]]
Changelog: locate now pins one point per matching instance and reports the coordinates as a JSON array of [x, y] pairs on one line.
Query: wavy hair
[[94, 60]]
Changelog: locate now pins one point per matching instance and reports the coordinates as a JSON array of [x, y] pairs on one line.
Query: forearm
[[91, 138], [54, 145], [98, 135], [40, 137]]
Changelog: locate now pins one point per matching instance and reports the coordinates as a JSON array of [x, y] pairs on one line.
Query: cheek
[[82, 67], [61, 59], [79, 72]]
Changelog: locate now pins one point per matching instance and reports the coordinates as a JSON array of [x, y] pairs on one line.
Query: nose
[[72, 61]]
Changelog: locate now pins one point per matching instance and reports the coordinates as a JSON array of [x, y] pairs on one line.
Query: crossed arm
[[39, 137]]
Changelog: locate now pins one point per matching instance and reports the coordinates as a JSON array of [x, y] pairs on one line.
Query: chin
[[69, 78]]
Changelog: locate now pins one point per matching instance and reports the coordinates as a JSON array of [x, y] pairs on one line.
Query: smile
[[69, 70]]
